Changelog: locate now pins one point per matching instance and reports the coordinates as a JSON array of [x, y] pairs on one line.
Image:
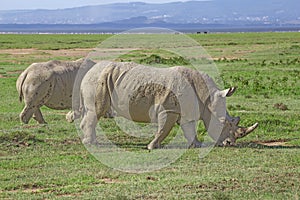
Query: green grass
[[49, 42], [49, 161]]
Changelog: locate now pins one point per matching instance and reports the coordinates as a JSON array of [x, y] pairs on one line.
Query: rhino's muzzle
[[242, 131]]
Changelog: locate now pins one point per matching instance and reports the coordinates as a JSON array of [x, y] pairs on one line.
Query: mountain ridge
[[189, 12]]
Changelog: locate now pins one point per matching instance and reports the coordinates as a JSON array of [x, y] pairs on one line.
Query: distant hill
[[235, 12]]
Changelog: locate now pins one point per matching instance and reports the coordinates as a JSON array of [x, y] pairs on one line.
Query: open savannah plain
[[49, 161]]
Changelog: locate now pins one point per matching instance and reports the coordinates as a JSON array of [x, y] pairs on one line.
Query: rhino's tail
[[81, 108], [20, 83], [77, 110]]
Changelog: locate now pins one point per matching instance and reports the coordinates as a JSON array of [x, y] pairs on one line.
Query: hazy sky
[[53, 4]]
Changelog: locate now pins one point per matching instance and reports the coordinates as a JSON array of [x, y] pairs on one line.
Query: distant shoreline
[[118, 28]]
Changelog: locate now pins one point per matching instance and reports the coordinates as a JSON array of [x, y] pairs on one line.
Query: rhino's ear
[[228, 92]]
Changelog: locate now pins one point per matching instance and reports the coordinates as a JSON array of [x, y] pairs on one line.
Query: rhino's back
[[40, 72], [141, 92]]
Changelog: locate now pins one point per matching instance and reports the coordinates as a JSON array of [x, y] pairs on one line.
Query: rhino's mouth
[[240, 132]]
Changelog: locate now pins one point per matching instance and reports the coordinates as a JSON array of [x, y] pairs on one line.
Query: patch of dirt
[[71, 141], [111, 181], [68, 52], [27, 126], [227, 58], [223, 185], [150, 178], [278, 143], [60, 52], [273, 143], [17, 56], [29, 56], [3, 154], [69, 195], [33, 190], [280, 106], [15, 72], [18, 51]]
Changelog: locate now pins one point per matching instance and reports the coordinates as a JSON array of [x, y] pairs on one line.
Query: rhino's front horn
[[242, 131]]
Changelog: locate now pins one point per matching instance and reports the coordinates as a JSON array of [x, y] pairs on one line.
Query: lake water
[[108, 28]]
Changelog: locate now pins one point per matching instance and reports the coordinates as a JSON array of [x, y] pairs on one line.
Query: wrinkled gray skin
[[50, 84], [158, 95]]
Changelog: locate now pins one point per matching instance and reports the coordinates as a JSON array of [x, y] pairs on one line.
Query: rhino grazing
[[50, 84], [165, 96]]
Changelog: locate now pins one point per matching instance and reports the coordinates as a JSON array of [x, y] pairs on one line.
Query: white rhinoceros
[[158, 95], [50, 84]]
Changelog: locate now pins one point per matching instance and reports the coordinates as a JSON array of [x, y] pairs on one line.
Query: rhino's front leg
[[189, 130], [88, 126], [166, 122]]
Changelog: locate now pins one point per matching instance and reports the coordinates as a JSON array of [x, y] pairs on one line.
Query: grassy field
[[49, 161]]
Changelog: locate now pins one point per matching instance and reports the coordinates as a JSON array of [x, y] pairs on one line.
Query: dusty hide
[[140, 93]]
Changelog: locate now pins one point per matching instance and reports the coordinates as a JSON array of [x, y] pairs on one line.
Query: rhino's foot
[[196, 144], [69, 119], [42, 123], [39, 120], [72, 116], [153, 146], [89, 141], [24, 120]]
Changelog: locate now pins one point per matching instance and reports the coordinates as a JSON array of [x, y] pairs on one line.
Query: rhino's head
[[223, 128], [232, 131]]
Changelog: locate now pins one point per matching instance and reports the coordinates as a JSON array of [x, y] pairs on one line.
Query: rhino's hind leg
[[37, 97], [26, 114], [37, 115], [190, 133], [166, 122]]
